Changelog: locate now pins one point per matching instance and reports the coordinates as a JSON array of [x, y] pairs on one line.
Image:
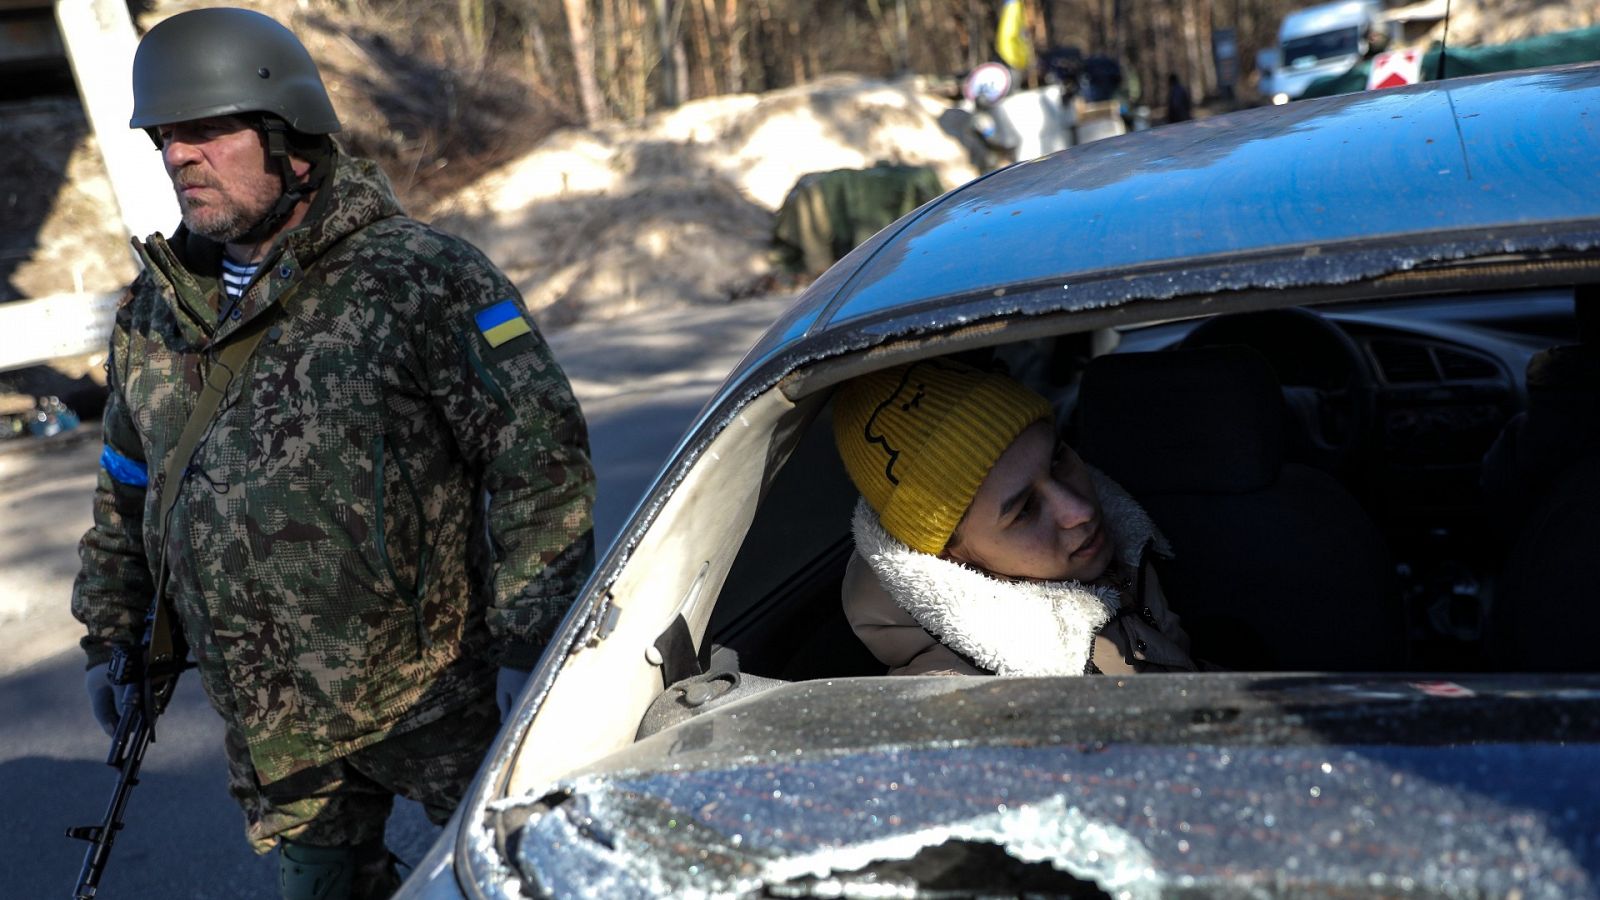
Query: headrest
[[1206, 420]]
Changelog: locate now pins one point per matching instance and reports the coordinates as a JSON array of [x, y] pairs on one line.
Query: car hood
[[1214, 785]]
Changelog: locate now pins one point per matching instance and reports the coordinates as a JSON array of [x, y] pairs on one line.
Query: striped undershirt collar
[[235, 276]]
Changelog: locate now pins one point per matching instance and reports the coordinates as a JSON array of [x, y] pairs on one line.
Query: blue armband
[[123, 470]]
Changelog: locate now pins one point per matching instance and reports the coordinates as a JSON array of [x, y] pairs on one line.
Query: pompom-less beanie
[[918, 440]]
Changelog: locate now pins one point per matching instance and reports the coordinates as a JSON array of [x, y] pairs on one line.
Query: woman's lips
[[1092, 545]]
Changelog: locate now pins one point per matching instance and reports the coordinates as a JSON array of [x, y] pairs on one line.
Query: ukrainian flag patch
[[501, 322]]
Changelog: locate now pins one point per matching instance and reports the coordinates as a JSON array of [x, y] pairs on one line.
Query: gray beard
[[222, 226]]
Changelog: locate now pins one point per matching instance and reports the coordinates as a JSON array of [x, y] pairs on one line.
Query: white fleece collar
[[1008, 627]]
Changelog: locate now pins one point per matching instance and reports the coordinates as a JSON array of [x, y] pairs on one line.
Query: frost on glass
[[1128, 821]]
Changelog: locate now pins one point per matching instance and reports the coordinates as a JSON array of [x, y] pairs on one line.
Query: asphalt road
[[640, 382]]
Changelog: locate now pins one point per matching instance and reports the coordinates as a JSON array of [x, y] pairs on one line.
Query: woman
[[986, 546]]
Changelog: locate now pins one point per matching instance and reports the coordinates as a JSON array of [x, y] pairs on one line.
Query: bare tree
[[583, 60], [628, 57], [673, 66]]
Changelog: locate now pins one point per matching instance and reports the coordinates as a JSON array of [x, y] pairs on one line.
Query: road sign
[[987, 83], [1395, 68]]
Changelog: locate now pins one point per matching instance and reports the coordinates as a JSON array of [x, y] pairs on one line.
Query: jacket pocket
[[412, 587]]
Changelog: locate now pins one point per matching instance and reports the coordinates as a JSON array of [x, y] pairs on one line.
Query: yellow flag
[[1010, 41]]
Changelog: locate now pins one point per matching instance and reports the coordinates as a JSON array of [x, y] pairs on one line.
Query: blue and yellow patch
[[501, 322]]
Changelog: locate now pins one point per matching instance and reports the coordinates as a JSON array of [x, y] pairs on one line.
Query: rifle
[[147, 674]]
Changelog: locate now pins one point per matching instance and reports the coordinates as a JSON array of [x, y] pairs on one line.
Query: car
[[1406, 700]]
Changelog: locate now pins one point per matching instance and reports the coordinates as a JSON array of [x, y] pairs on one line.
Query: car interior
[[1385, 485]]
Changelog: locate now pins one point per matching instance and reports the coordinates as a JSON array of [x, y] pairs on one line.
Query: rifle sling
[[229, 361]]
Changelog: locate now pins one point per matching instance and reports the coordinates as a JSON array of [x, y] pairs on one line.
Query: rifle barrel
[[127, 754]]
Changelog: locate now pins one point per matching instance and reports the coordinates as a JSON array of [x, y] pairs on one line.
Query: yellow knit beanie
[[918, 440]]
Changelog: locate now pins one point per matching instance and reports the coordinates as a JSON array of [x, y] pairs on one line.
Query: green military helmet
[[220, 62]]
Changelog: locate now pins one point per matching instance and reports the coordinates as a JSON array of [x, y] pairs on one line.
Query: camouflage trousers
[[347, 802]]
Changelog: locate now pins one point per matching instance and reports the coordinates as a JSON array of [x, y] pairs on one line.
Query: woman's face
[[1036, 516]]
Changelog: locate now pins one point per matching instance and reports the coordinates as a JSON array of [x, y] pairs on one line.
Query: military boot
[[306, 872], [365, 872]]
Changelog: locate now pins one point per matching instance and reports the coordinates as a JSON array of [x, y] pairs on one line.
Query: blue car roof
[[1472, 156]]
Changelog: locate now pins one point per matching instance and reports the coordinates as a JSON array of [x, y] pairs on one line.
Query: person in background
[[388, 513], [984, 545], [1180, 106]]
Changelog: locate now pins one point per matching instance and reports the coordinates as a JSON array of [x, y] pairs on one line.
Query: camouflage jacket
[[394, 496]]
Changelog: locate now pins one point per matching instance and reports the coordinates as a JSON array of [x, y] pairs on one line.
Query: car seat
[[1276, 565], [1544, 617], [1560, 426]]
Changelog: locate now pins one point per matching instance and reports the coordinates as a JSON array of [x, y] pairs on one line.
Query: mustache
[[189, 178]]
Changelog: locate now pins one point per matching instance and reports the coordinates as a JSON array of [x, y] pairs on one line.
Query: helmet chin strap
[[295, 188]]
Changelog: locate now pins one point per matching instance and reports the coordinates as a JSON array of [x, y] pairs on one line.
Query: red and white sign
[[1395, 68]]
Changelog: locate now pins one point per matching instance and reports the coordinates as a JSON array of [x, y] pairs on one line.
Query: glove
[[103, 698], [508, 687]]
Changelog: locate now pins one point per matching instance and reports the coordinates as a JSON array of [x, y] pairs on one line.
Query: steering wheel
[[1327, 388]]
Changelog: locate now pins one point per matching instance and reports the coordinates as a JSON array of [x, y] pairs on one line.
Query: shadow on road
[[184, 837]]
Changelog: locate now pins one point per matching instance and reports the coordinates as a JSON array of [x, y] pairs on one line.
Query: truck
[[1328, 39]]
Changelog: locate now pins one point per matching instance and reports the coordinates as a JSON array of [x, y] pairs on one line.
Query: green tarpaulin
[[828, 213], [1546, 50]]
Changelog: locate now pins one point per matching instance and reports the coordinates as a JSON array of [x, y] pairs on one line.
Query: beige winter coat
[[898, 599]]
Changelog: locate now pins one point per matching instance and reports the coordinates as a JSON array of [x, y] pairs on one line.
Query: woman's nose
[[1070, 508]]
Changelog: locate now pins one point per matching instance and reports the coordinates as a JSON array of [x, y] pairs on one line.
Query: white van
[[1319, 41]]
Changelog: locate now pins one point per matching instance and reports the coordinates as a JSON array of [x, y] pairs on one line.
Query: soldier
[[390, 509]]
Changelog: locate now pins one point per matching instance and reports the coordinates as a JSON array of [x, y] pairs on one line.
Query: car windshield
[[1312, 49]]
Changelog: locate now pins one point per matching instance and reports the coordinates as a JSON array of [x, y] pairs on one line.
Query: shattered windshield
[[1308, 51], [1199, 786]]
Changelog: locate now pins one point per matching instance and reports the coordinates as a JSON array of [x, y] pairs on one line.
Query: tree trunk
[[583, 60], [539, 48], [637, 58], [607, 72], [733, 40], [902, 38], [476, 21], [672, 85]]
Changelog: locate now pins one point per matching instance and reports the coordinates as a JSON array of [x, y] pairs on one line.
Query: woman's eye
[[1030, 507]]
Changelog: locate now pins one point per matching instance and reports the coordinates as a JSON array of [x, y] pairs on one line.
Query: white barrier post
[[100, 42]]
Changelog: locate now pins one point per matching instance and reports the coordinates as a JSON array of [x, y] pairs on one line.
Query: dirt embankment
[[61, 230], [678, 208], [1481, 22]]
